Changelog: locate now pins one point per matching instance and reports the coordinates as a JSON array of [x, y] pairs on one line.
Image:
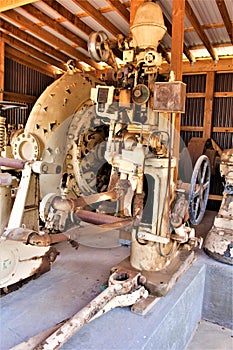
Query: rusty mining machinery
[[102, 152]]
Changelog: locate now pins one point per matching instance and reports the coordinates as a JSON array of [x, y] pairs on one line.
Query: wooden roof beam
[[120, 9], [32, 10], [69, 16], [226, 18], [193, 19], [31, 51], [20, 57], [20, 34], [45, 35], [10, 4], [97, 16], [186, 51]]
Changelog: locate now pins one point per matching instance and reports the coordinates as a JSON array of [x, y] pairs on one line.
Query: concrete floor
[[210, 336], [76, 278]]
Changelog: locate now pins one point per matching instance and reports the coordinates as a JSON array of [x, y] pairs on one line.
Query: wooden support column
[[2, 57], [134, 4], [178, 11], [209, 99]]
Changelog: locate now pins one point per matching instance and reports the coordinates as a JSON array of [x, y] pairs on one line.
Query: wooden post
[[178, 11], [209, 98], [2, 58]]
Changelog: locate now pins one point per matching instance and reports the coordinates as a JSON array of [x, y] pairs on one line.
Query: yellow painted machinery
[[102, 152]]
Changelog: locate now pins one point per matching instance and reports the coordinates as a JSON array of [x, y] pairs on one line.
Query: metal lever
[[124, 289]]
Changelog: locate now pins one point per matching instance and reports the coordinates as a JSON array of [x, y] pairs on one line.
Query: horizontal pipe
[[12, 163], [70, 203], [96, 218]]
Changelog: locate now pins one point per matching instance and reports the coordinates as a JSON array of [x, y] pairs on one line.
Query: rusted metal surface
[[12, 163], [96, 218], [124, 288], [71, 204]]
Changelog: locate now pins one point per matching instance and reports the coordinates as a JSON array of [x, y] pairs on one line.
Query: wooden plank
[[226, 18], [98, 17], [20, 34], [208, 109], [195, 94], [32, 10], [45, 35], [191, 128], [202, 66], [19, 57], [31, 51], [12, 96], [10, 4], [120, 9], [215, 197], [197, 26], [2, 67], [222, 129], [224, 94], [178, 11], [61, 10]]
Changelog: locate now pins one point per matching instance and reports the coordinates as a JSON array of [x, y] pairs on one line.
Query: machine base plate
[[159, 283]]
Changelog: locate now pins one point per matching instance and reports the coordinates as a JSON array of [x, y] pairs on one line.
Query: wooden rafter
[[98, 17], [186, 51], [28, 38], [120, 9], [32, 10], [226, 18], [69, 16], [13, 42], [45, 35], [20, 57], [193, 19], [2, 67], [10, 4]]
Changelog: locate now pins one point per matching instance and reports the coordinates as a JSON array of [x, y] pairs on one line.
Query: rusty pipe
[[96, 218], [70, 204], [74, 232], [12, 163]]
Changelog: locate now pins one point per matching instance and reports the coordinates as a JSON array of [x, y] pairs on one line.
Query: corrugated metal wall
[[222, 116], [23, 80]]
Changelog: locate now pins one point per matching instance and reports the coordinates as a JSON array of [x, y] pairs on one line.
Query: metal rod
[[12, 163]]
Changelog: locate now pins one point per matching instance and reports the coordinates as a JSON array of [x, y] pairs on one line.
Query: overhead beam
[[13, 42], [202, 66], [186, 51], [197, 26], [97, 16], [226, 18], [32, 10], [30, 39], [10, 4], [69, 16], [30, 62], [45, 35], [120, 9]]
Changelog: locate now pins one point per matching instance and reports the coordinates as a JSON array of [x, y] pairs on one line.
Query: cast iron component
[[199, 191]]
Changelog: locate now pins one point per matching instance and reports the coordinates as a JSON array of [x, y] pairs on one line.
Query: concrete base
[[203, 292]]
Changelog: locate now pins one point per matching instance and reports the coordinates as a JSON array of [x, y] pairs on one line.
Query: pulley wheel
[[98, 46], [199, 191]]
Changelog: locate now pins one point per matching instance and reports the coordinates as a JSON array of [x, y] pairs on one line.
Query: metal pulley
[[98, 46], [199, 190]]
